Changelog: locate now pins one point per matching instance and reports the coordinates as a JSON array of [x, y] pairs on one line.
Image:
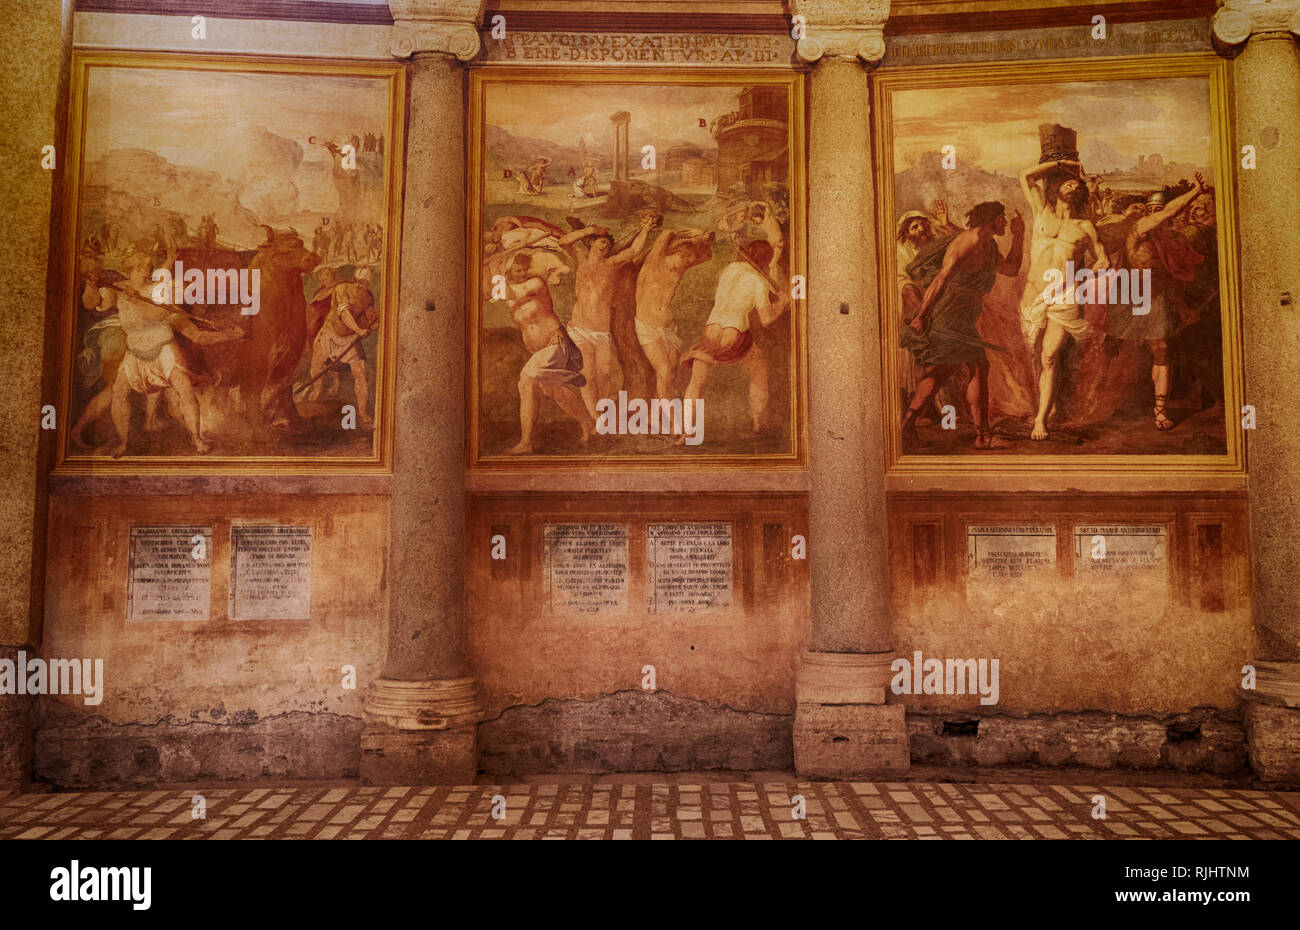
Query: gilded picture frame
[[896, 94], [283, 445], [645, 90]]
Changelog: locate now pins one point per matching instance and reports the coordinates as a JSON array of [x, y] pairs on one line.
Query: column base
[[842, 727], [420, 733], [1273, 723]]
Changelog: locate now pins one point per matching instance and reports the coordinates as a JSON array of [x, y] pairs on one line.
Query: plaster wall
[[208, 681]]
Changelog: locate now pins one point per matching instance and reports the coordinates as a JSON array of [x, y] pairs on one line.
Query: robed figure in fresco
[[944, 336]]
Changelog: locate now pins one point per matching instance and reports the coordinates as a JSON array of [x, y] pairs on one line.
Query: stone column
[[35, 89], [422, 714], [843, 727], [620, 121], [1266, 76]]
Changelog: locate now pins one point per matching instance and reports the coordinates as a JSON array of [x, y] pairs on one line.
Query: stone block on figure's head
[[1057, 143]]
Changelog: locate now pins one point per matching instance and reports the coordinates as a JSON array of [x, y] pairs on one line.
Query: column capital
[[445, 27], [1238, 20], [841, 29]]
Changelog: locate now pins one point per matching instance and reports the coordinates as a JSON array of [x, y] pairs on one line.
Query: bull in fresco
[[260, 367], [279, 329]]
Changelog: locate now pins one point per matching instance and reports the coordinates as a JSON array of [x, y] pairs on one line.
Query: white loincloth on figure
[[578, 334], [1069, 316], [150, 377], [667, 335], [151, 352]]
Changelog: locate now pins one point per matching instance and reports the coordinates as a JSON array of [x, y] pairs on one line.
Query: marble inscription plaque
[[270, 572], [585, 567], [1009, 552], [690, 567], [1130, 551], [166, 581]]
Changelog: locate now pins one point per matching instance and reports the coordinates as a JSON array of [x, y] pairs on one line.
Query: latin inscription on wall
[[1005, 553], [585, 567], [270, 572], [170, 575], [636, 48], [1150, 38], [690, 567], [1121, 552]]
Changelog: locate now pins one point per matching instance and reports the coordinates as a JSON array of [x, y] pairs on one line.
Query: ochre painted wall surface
[[156, 670], [744, 657], [1066, 644]]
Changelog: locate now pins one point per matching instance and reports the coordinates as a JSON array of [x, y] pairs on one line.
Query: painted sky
[[996, 127], [198, 118], [565, 113]]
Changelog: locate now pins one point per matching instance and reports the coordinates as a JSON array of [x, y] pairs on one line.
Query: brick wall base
[[633, 731], [648, 732], [1202, 741], [292, 746]]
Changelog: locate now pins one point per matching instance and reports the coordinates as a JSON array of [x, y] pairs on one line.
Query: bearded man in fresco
[[1061, 235], [944, 337]]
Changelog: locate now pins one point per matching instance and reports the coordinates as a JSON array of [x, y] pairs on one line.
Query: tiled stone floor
[[643, 810]]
